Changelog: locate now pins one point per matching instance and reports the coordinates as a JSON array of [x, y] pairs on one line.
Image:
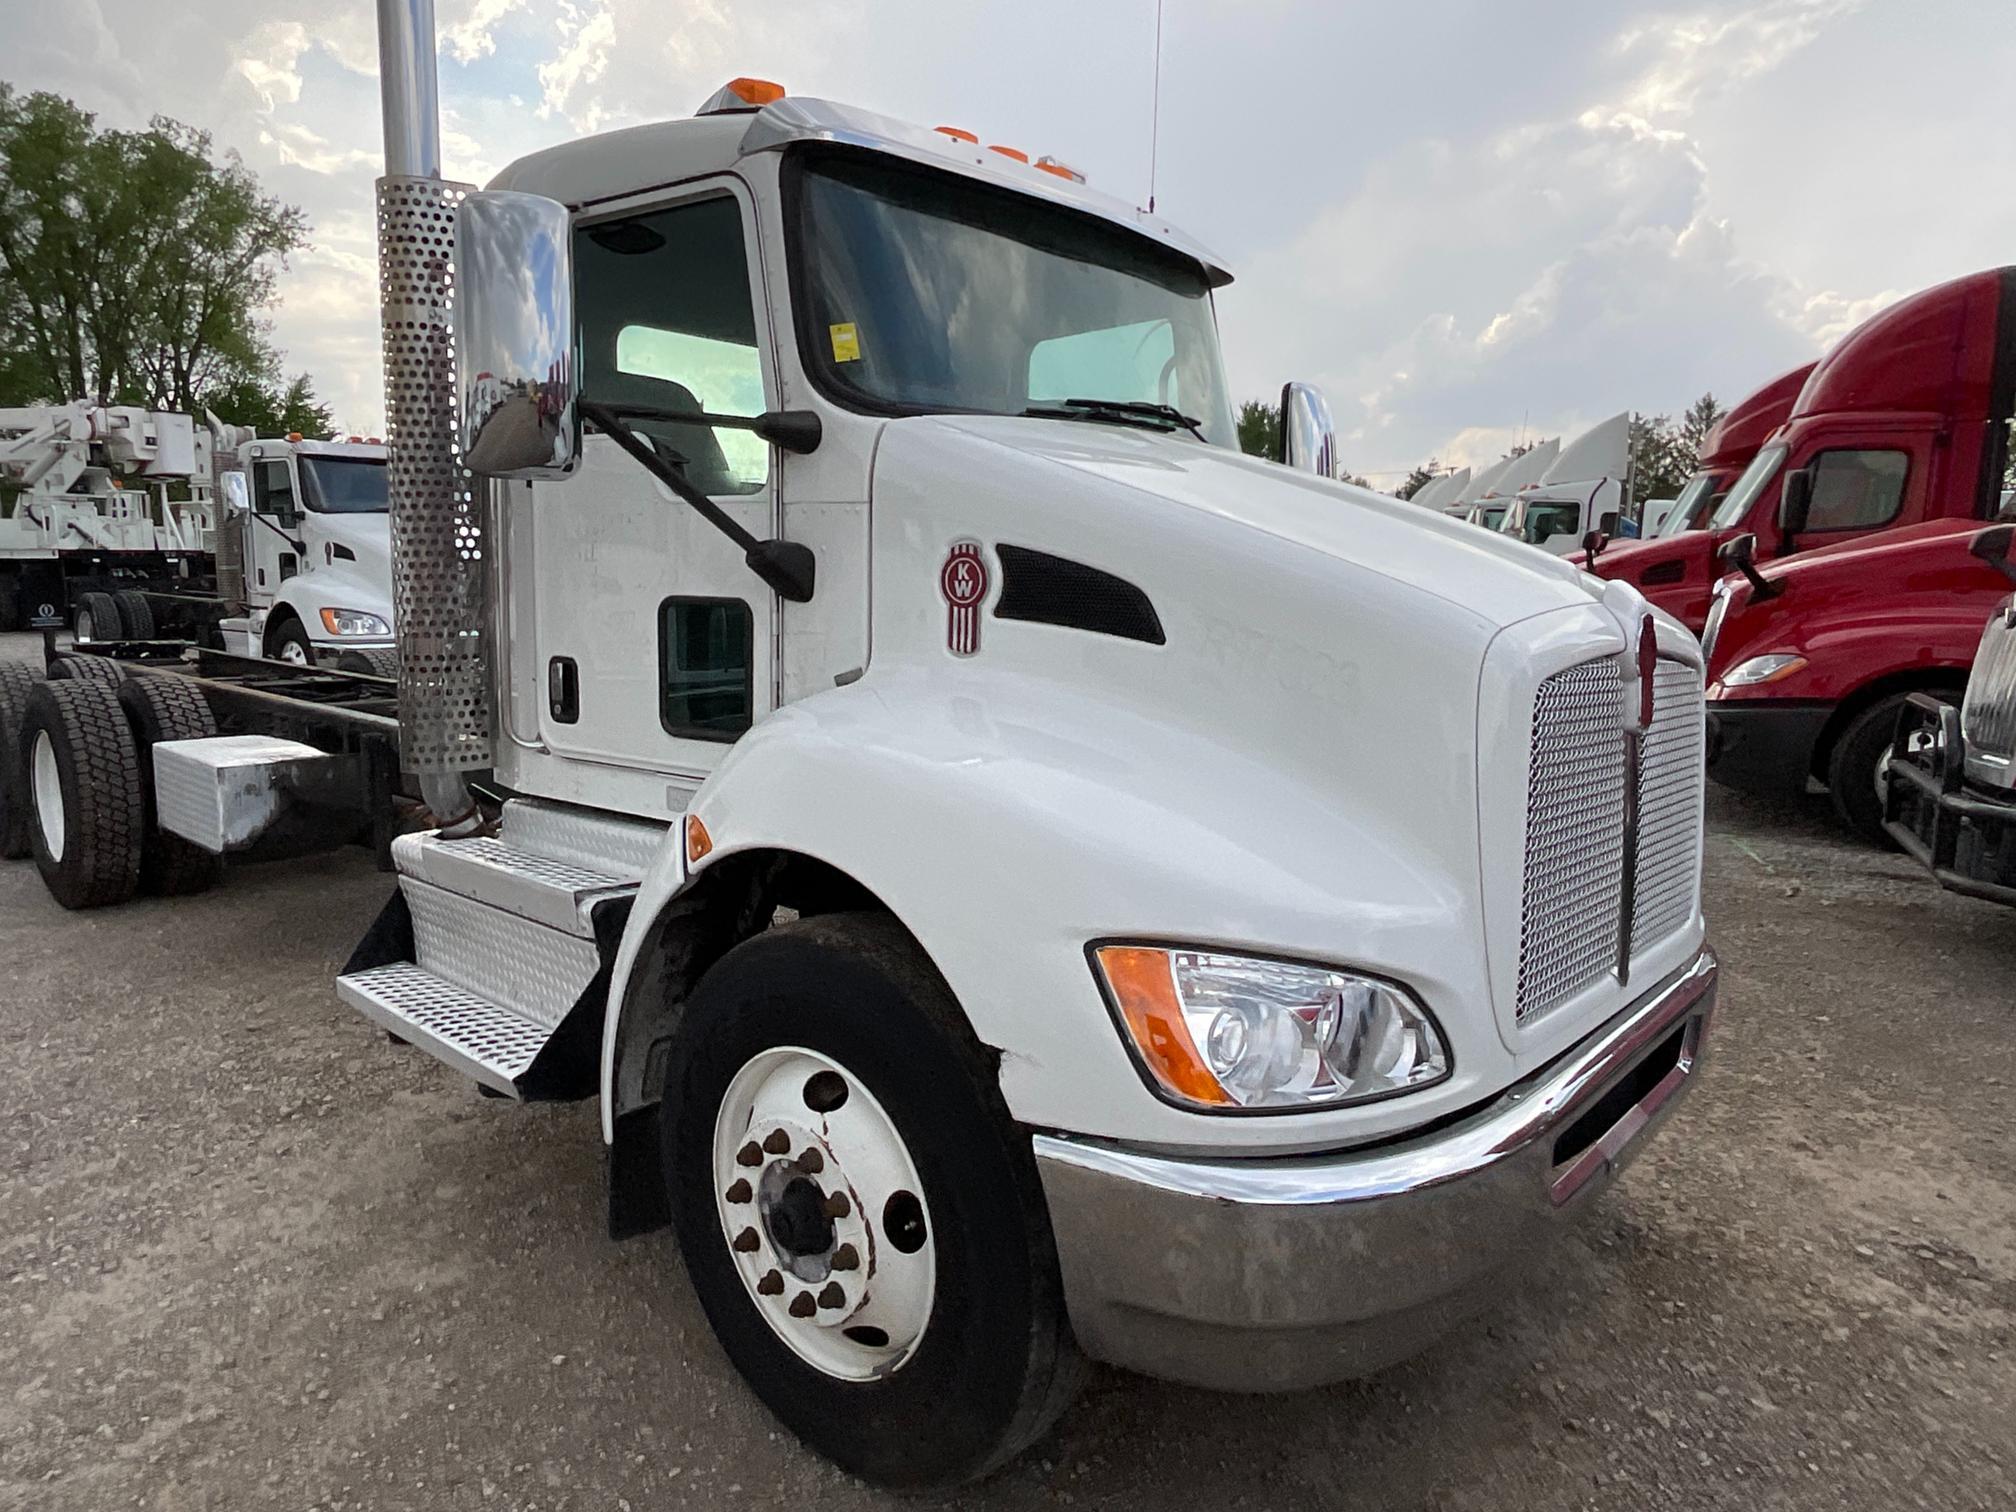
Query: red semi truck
[[1811, 661], [1905, 421], [1726, 450]]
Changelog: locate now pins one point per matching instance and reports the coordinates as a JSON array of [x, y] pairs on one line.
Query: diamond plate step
[[616, 845], [558, 894], [472, 1034], [536, 972]]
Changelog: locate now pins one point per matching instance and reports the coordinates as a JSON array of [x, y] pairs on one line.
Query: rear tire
[[17, 681], [372, 661], [87, 667], [1855, 779], [84, 776], [976, 1359], [97, 619], [136, 615], [167, 708]]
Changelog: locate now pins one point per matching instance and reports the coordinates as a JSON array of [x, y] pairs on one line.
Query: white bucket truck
[[955, 830]]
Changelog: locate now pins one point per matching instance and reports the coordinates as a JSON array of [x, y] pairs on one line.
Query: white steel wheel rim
[[87, 629], [293, 652], [48, 795], [779, 1139]]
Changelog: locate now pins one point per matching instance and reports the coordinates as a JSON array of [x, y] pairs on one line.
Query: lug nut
[[778, 1142], [802, 1305], [739, 1192], [750, 1154], [772, 1285], [832, 1296], [846, 1258], [837, 1206], [812, 1162], [746, 1241]]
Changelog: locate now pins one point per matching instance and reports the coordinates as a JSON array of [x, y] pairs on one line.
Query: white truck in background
[[953, 829], [1580, 488], [1438, 492], [313, 541]]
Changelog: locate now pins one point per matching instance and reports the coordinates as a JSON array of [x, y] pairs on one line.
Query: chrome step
[[474, 1035]]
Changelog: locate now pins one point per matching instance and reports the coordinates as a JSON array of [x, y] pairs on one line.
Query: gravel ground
[[253, 1255]]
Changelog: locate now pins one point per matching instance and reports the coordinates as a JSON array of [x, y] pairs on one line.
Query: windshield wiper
[[1161, 417]]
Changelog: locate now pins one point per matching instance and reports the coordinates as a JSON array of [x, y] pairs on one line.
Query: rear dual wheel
[[88, 814], [17, 681], [862, 1220]]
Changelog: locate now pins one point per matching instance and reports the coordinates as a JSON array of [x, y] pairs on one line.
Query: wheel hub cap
[[813, 1183]]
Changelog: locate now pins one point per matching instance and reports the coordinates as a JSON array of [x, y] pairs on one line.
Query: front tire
[[915, 1335], [1855, 777], [290, 644]]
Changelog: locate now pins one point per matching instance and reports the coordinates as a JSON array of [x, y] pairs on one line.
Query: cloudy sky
[[1464, 218]]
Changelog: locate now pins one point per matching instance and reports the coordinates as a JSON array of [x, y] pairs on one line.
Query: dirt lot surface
[[253, 1255]]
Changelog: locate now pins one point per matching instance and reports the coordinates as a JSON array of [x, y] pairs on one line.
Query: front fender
[[1008, 823]]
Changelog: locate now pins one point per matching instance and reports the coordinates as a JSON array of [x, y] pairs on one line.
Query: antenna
[[1155, 110]]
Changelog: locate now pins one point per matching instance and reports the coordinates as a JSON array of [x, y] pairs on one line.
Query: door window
[[706, 653], [276, 489], [1856, 490], [668, 322]]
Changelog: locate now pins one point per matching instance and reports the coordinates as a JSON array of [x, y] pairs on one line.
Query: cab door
[[654, 642], [272, 553]]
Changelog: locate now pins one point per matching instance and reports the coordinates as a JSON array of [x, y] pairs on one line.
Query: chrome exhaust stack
[[437, 515]]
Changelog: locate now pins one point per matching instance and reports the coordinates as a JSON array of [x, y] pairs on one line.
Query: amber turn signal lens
[[756, 91], [698, 841], [1144, 988]]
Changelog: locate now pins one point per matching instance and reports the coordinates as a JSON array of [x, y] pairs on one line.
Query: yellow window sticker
[[846, 342]]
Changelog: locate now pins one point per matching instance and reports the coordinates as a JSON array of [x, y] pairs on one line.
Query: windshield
[[919, 292], [343, 485], [1543, 519], [1689, 504], [1756, 478]]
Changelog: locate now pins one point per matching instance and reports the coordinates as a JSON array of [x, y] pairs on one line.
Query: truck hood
[[363, 582], [1491, 576]]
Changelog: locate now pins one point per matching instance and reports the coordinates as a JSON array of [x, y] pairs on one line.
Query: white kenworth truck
[[954, 809]]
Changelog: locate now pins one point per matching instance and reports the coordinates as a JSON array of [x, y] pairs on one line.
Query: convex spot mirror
[[1308, 435], [514, 336]]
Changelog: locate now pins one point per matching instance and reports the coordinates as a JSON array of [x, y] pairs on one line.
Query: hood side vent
[[1053, 590]]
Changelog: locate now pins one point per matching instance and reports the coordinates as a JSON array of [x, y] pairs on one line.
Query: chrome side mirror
[[514, 336], [1308, 435]]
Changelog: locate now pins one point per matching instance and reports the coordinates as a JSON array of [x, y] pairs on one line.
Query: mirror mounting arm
[[797, 431], [1741, 554], [787, 566]]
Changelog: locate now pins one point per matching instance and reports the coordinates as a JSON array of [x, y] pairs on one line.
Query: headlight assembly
[[1220, 1032]]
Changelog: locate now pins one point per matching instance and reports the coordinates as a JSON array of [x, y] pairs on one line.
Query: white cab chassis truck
[[313, 534], [953, 825]]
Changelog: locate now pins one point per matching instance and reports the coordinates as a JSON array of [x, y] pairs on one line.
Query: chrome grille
[[1988, 714], [1573, 885], [1669, 807]]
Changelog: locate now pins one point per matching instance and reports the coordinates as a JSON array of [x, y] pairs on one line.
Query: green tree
[[1659, 464], [1701, 417], [270, 408], [134, 265], [1260, 428], [1419, 479]]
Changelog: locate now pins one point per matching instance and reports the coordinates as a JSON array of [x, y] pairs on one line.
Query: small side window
[[1856, 490], [276, 489], [706, 648]]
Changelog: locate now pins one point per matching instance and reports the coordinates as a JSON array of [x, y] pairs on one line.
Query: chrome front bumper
[[1275, 1274]]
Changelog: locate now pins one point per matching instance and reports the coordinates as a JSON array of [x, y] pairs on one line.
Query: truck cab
[[952, 825], [1905, 421], [1811, 664], [1582, 487], [317, 550]]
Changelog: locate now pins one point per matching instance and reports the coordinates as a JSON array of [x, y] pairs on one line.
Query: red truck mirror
[[1992, 546], [1592, 547], [1740, 555]]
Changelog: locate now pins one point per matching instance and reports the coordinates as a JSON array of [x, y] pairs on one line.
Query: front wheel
[[290, 644], [1857, 775], [862, 1220]]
